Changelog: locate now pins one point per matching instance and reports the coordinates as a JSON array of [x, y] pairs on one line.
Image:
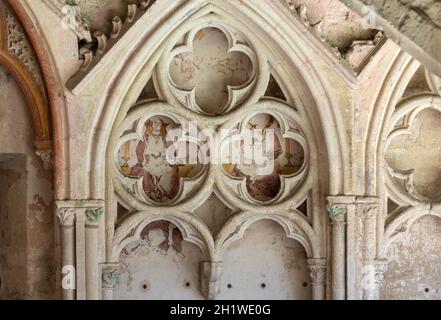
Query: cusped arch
[[192, 228], [294, 224]]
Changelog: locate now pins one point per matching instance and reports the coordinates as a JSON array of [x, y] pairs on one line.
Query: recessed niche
[[149, 92], [265, 264], [414, 263], [274, 90], [162, 256]]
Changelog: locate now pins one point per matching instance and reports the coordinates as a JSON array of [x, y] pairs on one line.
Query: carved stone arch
[[413, 204], [311, 110], [53, 109], [33, 93], [192, 230], [409, 240], [397, 77], [402, 223], [26, 57], [291, 223], [131, 229]]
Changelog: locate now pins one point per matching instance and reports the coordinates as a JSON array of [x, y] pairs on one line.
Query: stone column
[[68, 273], [337, 214], [79, 237], [92, 259], [109, 279], [369, 212], [317, 270]]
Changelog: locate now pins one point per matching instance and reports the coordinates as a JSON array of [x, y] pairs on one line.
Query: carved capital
[[110, 276], [369, 208], [66, 216], [317, 270], [93, 215], [80, 210], [211, 273], [336, 213]]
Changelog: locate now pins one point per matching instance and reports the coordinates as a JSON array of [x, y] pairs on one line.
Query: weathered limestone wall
[[263, 265], [414, 263], [27, 255]]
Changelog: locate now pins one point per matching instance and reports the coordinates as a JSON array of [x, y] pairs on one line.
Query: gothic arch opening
[[180, 136], [266, 265], [160, 264]]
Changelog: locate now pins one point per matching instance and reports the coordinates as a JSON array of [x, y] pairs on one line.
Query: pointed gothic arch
[[51, 114]]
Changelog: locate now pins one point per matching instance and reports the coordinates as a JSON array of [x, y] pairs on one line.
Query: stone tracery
[[144, 139]]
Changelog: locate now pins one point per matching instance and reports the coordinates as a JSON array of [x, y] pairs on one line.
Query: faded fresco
[[146, 159], [285, 158], [160, 264], [210, 67]]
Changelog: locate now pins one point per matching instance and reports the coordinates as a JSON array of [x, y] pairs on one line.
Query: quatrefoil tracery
[[271, 158], [412, 151], [211, 78], [143, 156], [243, 100], [239, 78], [212, 69], [144, 164]]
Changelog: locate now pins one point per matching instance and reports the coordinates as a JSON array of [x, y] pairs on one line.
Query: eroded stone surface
[[414, 263], [159, 265], [27, 249], [353, 36]]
